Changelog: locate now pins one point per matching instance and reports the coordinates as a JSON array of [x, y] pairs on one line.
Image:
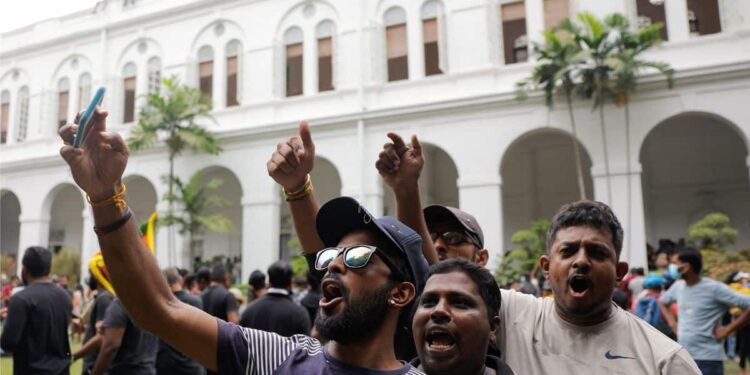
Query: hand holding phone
[[85, 120]]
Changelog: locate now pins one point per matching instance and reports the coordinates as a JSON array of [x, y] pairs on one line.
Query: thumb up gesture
[[293, 160]]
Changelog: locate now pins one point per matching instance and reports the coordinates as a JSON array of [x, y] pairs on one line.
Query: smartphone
[[83, 122]]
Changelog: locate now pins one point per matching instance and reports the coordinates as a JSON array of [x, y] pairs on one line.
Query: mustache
[[337, 278]]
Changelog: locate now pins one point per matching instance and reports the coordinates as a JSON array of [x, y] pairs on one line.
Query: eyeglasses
[[355, 257], [452, 238]]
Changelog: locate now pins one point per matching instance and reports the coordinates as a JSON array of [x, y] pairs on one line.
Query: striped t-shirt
[[254, 352]]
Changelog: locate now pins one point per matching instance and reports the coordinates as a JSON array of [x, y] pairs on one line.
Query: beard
[[361, 319]]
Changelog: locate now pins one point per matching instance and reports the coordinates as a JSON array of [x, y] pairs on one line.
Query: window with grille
[[324, 33], [294, 69], [431, 37], [4, 115], [233, 53], [84, 91], [154, 74], [63, 96], [206, 70], [23, 114]]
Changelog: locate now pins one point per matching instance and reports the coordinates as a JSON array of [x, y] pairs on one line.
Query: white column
[[309, 64], [600, 186], [415, 45], [481, 196], [89, 241], [220, 77], [676, 12], [534, 20], [34, 231], [260, 233]]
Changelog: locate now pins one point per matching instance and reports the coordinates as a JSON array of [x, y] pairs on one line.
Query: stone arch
[[142, 197], [538, 175], [64, 206], [10, 212]]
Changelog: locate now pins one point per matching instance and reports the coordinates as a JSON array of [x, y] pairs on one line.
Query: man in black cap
[[36, 330], [374, 270]]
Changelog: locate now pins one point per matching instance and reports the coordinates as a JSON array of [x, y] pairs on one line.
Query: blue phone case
[[83, 123]]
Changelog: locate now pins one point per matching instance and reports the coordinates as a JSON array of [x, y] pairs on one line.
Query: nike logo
[[609, 355]]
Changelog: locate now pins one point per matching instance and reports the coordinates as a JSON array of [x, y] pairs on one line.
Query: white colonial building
[[356, 69]]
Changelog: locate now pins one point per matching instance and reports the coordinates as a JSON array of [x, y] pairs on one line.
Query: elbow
[[157, 318]]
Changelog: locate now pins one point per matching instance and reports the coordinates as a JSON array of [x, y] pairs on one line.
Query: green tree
[[67, 262], [531, 244], [199, 206], [172, 113], [713, 232], [558, 64]]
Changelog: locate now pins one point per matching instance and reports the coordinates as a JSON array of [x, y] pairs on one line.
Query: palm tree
[[558, 63], [172, 114], [198, 213]]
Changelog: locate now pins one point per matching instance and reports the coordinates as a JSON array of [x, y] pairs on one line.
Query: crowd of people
[[383, 295]]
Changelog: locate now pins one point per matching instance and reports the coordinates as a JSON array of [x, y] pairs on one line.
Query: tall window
[[431, 37], [555, 11], [128, 86], [154, 74], [649, 14], [293, 42], [396, 44], [4, 115], [703, 17], [84, 91], [515, 46], [63, 94], [324, 33], [23, 113], [233, 52], [206, 70]]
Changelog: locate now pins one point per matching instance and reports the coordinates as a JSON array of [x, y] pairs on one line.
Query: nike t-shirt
[[535, 340]]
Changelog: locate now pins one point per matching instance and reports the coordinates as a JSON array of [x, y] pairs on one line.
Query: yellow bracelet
[[117, 200], [306, 189]]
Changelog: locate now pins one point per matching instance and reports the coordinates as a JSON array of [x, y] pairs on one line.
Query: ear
[[622, 270], [483, 256], [401, 295], [494, 326], [544, 265]]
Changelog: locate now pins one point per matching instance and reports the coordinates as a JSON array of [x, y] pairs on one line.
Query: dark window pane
[[432, 59], [206, 72], [62, 108], [398, 68], [4, 122], [325, 64], [649, 14], [232, 81], [512, 31], [294, 69], [397, 52], [703, 16], [129, 114]]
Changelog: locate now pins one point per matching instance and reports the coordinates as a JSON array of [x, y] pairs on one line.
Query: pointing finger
[[397, 141], [306, 136]]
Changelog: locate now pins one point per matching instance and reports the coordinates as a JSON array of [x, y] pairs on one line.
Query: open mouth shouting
[[332, 294], [579, 285], [439, 341]]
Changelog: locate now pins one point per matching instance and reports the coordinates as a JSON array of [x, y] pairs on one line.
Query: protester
[[170, 361], [217, 301], [203, 278], [455, 320], [276, 311], [299, 288], [701, 302], [125, 348], [241, 299], [191, 284], [92, 339], [257, 283], [646, 303], [36, 329], [77, 329]]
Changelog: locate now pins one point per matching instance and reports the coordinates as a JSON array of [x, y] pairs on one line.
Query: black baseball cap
[[342, 215], [437, 213]]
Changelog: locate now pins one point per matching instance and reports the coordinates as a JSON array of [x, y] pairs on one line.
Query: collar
[[278, 291]]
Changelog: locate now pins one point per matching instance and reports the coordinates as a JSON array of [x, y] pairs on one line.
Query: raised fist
[[293, 160], [400, 164]]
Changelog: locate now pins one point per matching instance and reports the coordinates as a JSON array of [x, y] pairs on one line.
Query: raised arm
[[290, 167], [97, 168], [400, 166]]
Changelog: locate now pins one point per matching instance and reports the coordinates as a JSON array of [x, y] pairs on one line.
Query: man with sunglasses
[[373, 291]]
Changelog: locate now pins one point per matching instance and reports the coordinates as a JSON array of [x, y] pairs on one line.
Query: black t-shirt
[[218, 302], [310, 302], [36, 331], [101, 302], [276, 312], [170, 361], [137, 352]]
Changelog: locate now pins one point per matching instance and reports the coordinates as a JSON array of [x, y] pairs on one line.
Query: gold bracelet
[[306, 189], [117, 200]]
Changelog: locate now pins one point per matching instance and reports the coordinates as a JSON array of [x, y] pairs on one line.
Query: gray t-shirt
[[137, 352], [699, 310], [535, 340]]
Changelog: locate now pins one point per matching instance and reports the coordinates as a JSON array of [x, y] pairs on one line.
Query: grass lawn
[[6, 363]]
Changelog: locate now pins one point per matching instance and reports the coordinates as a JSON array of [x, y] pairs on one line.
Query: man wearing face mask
[[701, 302]]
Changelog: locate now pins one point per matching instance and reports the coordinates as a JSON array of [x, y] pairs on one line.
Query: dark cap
[[342, 215], [437, 213], [37, 261]]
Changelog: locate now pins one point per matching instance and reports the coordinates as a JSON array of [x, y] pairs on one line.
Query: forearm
[[104, 359], [670, 319], [304, 211], [409, 212], [738, 323], [134, 272], [88, 348]]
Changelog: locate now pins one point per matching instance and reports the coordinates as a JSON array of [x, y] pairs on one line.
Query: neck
[[590, 319], [216, 283], [376, 352], [38, 280], [175, 288], [691, 279]]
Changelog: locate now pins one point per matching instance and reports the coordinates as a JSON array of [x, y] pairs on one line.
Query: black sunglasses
[[357, 256], [453, 238]]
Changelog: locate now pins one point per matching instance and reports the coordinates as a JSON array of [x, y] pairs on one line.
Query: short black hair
[[692, 257], [586, 213], [183, 272], [219, 273], [203, 275], [190, 279], [257, 279], [172, 275], [37, 260], [280, 274], [485, 282]]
